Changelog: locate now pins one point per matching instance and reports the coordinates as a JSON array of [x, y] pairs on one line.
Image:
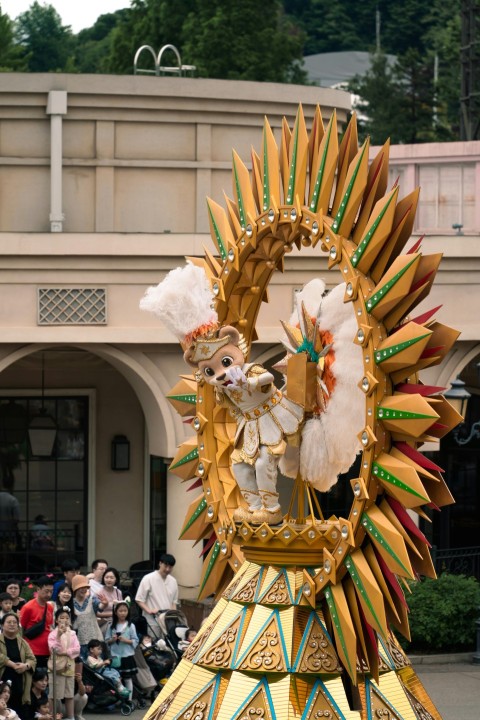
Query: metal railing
[[457, 561], [179, 69]]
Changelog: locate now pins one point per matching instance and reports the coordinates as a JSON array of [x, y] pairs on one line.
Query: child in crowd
[[190, 636], [96, 662], [6, 604], [122, 638], [63, 640], [42, 710], [14, 588], [6, 713]]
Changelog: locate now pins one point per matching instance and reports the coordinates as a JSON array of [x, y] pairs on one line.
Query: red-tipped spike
[[421, 282], [417, 457], [208, 544], [196, 484], [416, 246], [406, 520], [422, 319], [415, 389]]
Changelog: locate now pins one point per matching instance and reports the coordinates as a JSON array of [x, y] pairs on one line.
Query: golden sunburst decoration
[[306, 608]]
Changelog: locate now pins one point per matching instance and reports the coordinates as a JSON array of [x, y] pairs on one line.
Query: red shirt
[[32, 613]]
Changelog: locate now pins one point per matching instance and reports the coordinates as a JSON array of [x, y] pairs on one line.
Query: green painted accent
[[382, 292], [190, 399], [192, 455], [293, 167], [343, 205], [211, 563], [218, 237], [241, 206], [195, 515], [336, 622], [307, 347], [383, 474], [381, 355], [357, 255], [321, 170], [266, 179], [377, 537], [350, 565], [389, 414]]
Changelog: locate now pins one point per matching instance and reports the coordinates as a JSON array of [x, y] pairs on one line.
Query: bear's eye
[[227, 361], [208, 371]]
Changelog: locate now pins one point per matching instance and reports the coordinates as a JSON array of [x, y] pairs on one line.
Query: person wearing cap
[[36, 619], [86, 606], [157, 592]]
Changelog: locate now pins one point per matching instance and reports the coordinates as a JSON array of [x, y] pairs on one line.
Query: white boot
[[246, 481]]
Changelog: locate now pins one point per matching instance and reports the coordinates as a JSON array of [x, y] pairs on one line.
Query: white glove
[[236, 376]]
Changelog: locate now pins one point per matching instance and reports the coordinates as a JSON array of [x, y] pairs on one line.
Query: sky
[[77, 14]]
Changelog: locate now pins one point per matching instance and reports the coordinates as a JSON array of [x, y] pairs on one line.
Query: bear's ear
[[232, 332], [187, 356]]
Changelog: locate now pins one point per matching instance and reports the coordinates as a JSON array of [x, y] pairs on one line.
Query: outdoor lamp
[[120, 453]]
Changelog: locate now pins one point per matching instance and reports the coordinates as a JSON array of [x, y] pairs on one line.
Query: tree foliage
[[243, 41], [46, 43], [11, 55]]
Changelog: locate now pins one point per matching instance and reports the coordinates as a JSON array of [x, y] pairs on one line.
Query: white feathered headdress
[[184, 302]]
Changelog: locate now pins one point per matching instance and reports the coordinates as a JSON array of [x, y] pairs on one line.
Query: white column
[[56, 108]]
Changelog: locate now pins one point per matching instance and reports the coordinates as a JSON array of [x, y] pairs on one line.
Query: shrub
[[443, 613]]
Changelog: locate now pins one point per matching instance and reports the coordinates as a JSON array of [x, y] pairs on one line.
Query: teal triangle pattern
[[311, 619], [281, 575], [261, 686], [373, 689], [274, 615], [322, 688], [214, 685]]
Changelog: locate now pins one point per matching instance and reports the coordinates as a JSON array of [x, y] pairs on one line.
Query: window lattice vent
[[72, 306]]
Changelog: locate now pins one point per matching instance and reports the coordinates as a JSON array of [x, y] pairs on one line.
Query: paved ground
[[454, 688]]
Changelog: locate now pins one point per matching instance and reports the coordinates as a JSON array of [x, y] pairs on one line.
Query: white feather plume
[[183, 301], [311, 296], [330, 443]]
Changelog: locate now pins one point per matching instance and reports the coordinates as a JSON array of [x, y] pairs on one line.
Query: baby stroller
[[104, 695], [174, 626]]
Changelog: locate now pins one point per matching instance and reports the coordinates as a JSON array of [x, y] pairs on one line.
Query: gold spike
[[344, 631], [293, 334], [316, 135], [309, 328], [242, 190], [400, 480], [375, 189], [371, 558], [284, 148], [389, 542], [402, 229], [402, 309], [410, 415], [351, 596], [368, 593], [348, 150], [353, 189], [294, 182], [376, 232], [393, 287], [324, 166], [220, 229], [233, 215], [270, 189], [257, 187]]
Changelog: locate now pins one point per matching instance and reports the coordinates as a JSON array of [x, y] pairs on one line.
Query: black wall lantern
[[120, 453], [42, 429]]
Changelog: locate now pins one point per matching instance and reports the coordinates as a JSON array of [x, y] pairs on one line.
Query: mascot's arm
[[258, 377]]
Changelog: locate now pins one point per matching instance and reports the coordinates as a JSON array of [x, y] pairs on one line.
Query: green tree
[[11, 56], [378, 105], [45, 41], [147, 22], [93, 45], [244, 41]]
